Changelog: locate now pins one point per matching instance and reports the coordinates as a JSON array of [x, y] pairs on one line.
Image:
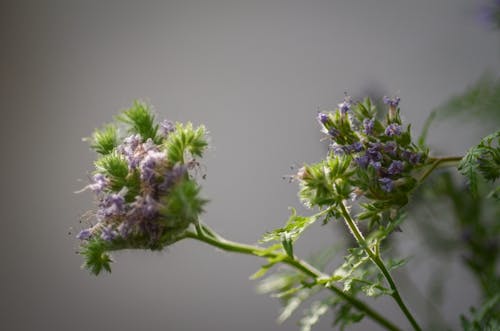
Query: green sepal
[[104, 141], [141, 120], [184, 139], [96, 257], [183, 204]]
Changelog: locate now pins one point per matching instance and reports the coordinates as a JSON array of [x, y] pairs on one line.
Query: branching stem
[[449, 160], [216, 240], [375, 257]]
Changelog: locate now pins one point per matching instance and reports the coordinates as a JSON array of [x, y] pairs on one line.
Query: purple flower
[[323, 118], [133, 141], [355, 147], [376, 165], [107, 233], [334, 132], [394, 102], [368, 125], [84, 234], [167, 127], [413, 158], [393, 130], [149, 164], [338, 149], [344, 106], [362, 161], [100, 183], [390, 148], [386, 184], [373, 152], [172, 177], [124, 229], [129, 149], [112, 205], [395, 168]]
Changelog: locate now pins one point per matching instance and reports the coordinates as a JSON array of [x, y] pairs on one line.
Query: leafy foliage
[[487, 318], [483, 159]]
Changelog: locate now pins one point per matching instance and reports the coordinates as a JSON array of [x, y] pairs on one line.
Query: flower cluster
[[145, 195], [369, 158]]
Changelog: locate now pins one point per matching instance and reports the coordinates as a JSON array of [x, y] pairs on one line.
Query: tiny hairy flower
[[107, 233], [166, 127], [99, 183], [392, 102], [393, 130], [84, 234]]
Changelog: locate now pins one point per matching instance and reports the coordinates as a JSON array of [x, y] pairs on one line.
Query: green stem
[[231, 246], [438, 161], [375, 257]]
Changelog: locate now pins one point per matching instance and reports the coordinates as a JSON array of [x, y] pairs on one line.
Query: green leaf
[[484, 159], [291, 231]]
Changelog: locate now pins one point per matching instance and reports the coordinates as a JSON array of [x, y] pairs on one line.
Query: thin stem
[[375, 257], [438, 161], [231, 246]]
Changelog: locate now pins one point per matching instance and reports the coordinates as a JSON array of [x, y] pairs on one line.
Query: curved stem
[[231, 246], [375, 257]]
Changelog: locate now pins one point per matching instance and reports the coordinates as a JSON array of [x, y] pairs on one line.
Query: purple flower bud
[[84, 234], [323, 118], [394, 102], [393, 130], [167, 127], [344, 107], [395, 168], [107, 233], [386, 184], [356, 147], [362, 161], [334, 132], [376, 165], [368, 125]]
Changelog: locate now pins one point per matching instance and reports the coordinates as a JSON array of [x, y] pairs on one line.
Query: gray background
[[255, 72]]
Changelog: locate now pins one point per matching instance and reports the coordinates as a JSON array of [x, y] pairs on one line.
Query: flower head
[[393, 129]]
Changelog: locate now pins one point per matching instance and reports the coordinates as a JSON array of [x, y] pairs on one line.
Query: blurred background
[[255, 73]]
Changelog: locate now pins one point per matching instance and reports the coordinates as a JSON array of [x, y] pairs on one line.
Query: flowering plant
[[148, 197]]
